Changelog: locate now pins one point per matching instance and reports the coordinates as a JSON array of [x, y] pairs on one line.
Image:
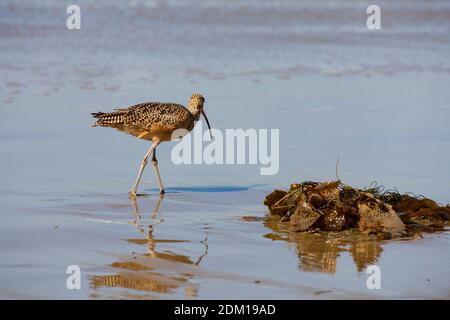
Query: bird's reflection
[[319, 252], [140, 272]]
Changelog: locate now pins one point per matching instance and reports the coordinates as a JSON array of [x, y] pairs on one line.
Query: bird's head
[[196, 102]]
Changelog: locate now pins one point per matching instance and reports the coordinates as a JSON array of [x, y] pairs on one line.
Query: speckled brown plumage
[[147, 120], [156, 122]]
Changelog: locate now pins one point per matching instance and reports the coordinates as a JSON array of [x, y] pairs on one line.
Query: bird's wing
[[144, 116], [147, 115]]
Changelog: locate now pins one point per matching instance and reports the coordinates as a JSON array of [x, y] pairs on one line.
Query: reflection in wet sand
[[130, 282], [319, 251], [137, 274]]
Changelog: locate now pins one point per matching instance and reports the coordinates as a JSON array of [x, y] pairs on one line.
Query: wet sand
[[378, 101], [209, 245]]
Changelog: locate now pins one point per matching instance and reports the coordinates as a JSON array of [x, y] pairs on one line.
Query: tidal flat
[[377, 100]]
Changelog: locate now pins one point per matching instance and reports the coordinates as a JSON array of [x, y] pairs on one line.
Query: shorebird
[[156, 122]]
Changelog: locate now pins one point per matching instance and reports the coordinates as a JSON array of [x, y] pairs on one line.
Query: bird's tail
[[111, 119], [97, 115]]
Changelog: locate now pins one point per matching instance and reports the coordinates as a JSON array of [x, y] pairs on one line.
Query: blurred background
[[377, 99]]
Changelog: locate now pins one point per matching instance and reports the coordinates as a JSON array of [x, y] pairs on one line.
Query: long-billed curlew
[[156, 122]]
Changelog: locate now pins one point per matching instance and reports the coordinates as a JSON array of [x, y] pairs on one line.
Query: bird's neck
[[194, 111]]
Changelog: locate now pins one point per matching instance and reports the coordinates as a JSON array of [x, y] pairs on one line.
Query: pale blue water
[[377, 100]]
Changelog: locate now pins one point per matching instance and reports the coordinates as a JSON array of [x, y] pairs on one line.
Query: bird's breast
[[167, 132]]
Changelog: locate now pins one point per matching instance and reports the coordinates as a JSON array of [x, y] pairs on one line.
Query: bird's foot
[[132, 194]]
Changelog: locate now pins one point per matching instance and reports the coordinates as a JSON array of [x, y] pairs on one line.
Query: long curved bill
[[207, 122]]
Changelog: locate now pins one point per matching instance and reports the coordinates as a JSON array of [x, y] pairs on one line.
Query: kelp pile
[[334, 206]]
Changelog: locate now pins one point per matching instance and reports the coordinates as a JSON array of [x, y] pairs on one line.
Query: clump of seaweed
[[334, 206]]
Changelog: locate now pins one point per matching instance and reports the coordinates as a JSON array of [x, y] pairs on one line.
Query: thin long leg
[[156, 169], [141, 169]]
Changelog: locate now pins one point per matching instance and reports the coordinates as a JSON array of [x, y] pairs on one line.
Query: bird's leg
[[155, 167], [141, 169]]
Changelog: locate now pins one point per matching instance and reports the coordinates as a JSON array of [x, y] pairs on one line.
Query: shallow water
[[199, 244], [377, 100]]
